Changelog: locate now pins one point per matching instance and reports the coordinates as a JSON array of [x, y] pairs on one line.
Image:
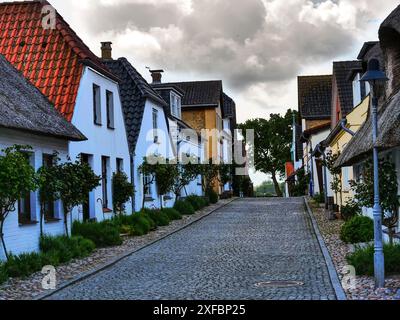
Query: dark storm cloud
[[243, 42]]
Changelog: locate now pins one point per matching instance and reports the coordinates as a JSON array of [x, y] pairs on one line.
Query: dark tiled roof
[[228, 107], [52, 59], [134, 91], [200, 93], [229, 110], [24, 107], [315, 96], [367, 46], [341, 71]]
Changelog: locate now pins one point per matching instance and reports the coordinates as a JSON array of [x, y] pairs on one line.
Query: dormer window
[[360, 90], [176, 105]]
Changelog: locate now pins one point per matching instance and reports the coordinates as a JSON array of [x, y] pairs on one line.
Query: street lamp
[[374, 76]]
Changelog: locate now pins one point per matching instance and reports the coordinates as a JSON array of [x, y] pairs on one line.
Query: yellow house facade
[[338, 142]]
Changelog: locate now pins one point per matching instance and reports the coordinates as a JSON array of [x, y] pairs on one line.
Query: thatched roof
[[388, 136], [24, 107], [389, 101]]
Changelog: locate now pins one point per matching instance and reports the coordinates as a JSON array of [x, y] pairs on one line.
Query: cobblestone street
[[224, 256]]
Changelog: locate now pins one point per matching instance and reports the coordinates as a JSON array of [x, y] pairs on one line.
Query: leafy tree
[[209, 172], [225, 173], [161, 171], [17, 177], [77, 181], [166, 175], [388, 192], [336, 184], [49, 187], [185, 174], [122, 191], [302, 183], [271, 148]]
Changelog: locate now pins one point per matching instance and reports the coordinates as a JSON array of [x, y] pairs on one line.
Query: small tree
[[225, 173], [77, 180], [166, 175], [49, 187], [388, 192], [210, 173], [336, 184], [185, 174], [147, 169], [17, 177], [122, 191]]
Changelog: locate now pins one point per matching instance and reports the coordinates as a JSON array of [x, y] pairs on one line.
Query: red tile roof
[[52, 60]]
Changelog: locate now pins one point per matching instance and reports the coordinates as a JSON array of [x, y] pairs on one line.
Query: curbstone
[[334, 278]]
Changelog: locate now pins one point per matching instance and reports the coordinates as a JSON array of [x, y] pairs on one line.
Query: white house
[[27, 118], [146, 127], [185, 140], [81, 88]]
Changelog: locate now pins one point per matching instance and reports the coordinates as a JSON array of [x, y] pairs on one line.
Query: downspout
[[343, 126], [133, 202]]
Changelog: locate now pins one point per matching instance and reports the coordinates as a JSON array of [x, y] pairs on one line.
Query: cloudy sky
[[257, 47]]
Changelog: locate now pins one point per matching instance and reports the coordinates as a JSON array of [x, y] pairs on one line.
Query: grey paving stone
[[221, 257]]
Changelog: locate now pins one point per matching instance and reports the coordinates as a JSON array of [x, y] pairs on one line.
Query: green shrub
[[184, 208], [172, 214], [63, 249], [51, 258], [319, 198], [357, 230], [197, 202], [3, 274], [141, 224], [161, 219], [212, 196], [350, 210], [206, 201], [363, 260], [23, 265], [103, 234]]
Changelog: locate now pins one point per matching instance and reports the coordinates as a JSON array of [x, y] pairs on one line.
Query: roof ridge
[[136, 75]]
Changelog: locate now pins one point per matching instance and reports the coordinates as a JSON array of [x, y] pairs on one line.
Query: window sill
[[167, 198], [148, 199], [28, 223], [106, 210], [51, 220], [110, 128]]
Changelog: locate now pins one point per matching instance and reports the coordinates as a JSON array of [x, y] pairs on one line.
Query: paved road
[[222, 257]]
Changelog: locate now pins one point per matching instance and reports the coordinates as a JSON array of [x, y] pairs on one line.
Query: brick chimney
[[106, 50], [156, 75]]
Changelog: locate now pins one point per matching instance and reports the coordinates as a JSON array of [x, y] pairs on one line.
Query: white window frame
[[155, 124], [176, 107]]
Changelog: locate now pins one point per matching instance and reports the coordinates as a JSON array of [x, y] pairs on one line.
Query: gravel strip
[[31, 287], [363, 287]]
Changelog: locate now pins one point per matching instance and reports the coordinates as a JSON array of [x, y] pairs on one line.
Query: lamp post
[[321, 150], [374, 76]]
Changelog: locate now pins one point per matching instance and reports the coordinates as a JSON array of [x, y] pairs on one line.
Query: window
[[155, 125], [24, 203], [176, 105], [104, 180], [49, 207], [147, 185], [120, 165], [96, 105], [110, 109]]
